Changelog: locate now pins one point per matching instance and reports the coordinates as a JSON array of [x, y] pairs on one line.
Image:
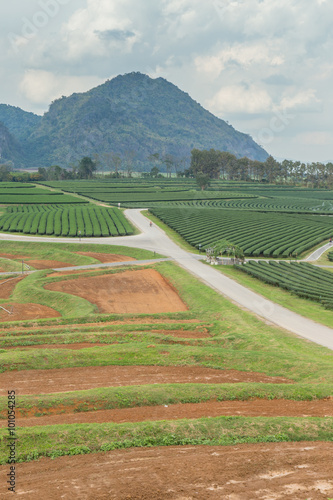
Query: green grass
[[304, 307], [237, 340], [244, 342], [162, 394], [78, 439], [63, 252]]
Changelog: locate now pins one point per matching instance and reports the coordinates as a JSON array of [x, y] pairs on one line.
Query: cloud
[[239, 99], [305, 100], [241, 59], [41, 87], [242, 55], [118, 35]]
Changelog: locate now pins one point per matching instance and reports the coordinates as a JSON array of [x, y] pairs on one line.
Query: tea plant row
[[66, 221], [303, 279]]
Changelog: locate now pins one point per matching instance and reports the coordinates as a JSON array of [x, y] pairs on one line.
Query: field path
[[154, 239]]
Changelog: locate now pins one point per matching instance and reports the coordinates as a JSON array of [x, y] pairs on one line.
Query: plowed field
[[77, 379], [278, 471], [135, 292]]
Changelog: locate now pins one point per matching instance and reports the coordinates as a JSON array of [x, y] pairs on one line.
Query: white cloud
[[241, 58], [244, 55], [41, 87], [239, 99], [304, 100]]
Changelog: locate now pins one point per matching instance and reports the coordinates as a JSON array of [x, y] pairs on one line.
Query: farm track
[[256, 408], [154, 239], [83, 378]]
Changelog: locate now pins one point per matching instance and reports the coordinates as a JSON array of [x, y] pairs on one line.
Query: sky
[[265, 66]]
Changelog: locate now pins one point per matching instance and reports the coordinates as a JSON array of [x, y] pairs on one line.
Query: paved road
[[319, 252], [154, 239]]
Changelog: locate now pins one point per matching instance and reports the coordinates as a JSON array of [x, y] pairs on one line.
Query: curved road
[[154, 239]]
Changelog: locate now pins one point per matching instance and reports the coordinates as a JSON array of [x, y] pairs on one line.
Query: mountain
[[128, 115], [19, 123], [10, 149]]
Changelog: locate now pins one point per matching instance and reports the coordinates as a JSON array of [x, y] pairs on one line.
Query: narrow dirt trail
[[256, 408]]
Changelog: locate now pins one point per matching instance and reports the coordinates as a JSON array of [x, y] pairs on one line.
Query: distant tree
[[4, 172], [206, 162], [154, 172], [227, 247], [129, 159], [203, 180], [86, 168], [169, 162]]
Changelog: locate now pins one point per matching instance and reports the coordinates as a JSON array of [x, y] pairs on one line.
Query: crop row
[[303, 279], [37, 198], [267, 234], [257, 205], [68, 221]]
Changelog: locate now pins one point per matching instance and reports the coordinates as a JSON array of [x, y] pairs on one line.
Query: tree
[[203, 180], [226, 247], [86, 168], [129, 158], [154, 172], [169, 162], [206, 162], [4, 172]]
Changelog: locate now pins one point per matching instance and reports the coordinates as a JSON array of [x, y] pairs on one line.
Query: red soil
[[27, 311], [75, 379], [107, 257], [7, 287], [254, 408], [136, 292], [265, 471], [36, 263]]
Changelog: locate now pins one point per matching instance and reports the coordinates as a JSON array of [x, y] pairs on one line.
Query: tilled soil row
[[75, 379], [274, 471], [254, 408]]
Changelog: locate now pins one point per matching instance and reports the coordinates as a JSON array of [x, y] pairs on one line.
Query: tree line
[[214, 164]]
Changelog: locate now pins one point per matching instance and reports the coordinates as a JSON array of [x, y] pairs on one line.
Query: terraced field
[[133, 387], [62, 220], [266, 234], [18, 193], [303, 279]]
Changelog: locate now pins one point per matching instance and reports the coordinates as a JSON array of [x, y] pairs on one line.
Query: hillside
[[130, 113], [10, 149], [19, 123]]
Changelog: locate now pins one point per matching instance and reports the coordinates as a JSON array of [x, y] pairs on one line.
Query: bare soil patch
[[7, 287], [46, 264], [27, 311], [107, 257], [36, 263], [265, 471], [13, 256], [75, 379], [136, 292], [255, 408]]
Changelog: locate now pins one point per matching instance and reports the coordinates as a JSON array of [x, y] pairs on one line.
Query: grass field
[[91, 379], [250, 361]]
